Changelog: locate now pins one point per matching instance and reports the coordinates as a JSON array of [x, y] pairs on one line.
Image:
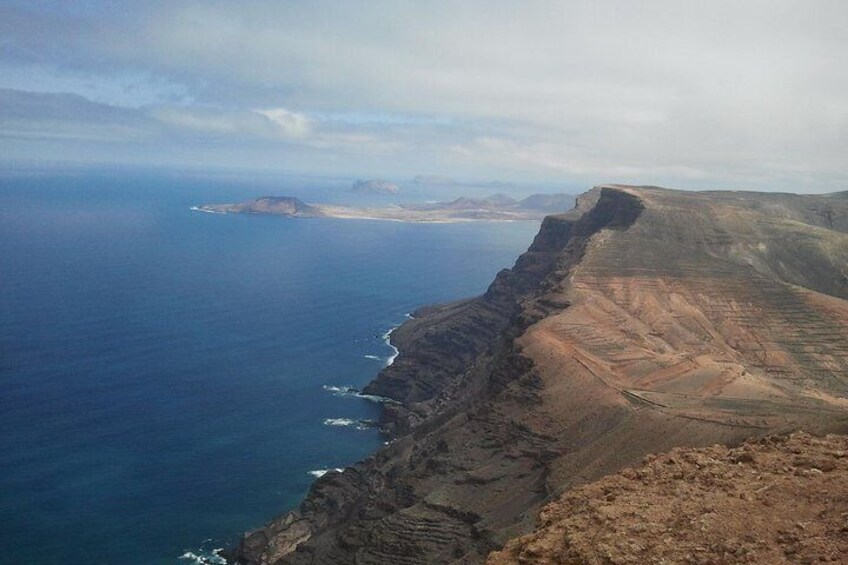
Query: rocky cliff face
[[642, 320]]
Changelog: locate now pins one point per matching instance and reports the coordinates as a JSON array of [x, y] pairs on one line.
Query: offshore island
[[645, 320], [497, 207]]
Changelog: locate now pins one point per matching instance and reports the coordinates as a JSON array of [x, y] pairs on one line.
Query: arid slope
[[774, 500], [643, 320]]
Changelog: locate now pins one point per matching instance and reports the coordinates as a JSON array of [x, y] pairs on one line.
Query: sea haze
[[166, 376]]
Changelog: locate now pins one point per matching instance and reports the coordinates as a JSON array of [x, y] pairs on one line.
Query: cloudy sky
[[724, 94]]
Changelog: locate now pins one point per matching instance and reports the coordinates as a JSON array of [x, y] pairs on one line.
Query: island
[[497, 207]]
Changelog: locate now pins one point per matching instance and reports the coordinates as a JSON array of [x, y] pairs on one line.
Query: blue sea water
[[163, 372]]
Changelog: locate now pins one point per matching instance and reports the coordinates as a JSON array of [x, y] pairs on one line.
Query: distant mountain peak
[[375, 186], [501, 199]]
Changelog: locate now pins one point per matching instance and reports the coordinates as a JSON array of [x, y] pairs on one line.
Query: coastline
[[487, 431], [387, 339], [351, 216], [231, 555]]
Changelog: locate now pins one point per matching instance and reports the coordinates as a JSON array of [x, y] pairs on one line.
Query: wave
[[341, 390], [388, 333], [208, 211], [377, 357], [204, 557], [387, 339], [318, 473], [339, 422], [356, 393], [393, 356], [347, 422]]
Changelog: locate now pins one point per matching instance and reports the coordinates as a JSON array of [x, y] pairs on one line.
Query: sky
[[720, 94]]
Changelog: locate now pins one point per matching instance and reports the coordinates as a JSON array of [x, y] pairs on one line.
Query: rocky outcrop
[[774, 500], [643, 320], [550, 203]]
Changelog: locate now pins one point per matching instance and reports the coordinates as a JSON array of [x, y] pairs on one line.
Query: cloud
[[724, 93], [214, 121], [206, 135], [68, 116], [291, 124]]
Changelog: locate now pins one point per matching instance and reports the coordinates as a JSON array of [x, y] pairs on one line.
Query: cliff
[[642, 320]]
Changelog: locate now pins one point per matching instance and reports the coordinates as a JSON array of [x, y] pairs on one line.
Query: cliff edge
[[644, 319], [773, 500]]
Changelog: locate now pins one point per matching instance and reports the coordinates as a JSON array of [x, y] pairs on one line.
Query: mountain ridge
[[642, 320]]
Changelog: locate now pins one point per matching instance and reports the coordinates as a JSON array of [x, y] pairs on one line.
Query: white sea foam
[[341, 390], [318, 473], [339, 422], [345, 422], [378, 399], [207, 210], [355, 393], [204, 557], [387, 338], [393, 356]]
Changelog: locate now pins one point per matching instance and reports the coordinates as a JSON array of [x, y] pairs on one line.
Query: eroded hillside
[[774, 500], [643, 320]]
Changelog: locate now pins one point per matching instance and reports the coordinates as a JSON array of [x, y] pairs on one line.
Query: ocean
[[169, 378]]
